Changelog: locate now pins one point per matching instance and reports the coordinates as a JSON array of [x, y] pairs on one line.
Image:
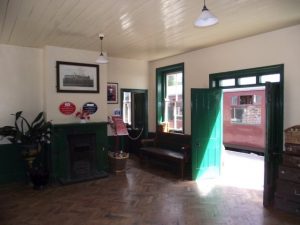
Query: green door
[[139, 110], [274, 140], [206, 132]]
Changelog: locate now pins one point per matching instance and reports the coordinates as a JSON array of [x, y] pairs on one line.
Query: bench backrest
[[172, 141]]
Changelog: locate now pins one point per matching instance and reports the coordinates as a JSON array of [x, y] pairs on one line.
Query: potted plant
[[31, 137]]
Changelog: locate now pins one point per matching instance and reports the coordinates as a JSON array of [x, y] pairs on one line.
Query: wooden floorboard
[[144, 195]]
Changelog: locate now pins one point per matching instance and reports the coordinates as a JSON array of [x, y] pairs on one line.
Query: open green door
[[206, 132], [274, 140]]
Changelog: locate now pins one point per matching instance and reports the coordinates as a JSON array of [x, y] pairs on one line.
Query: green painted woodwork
[[161, 90], [141, 109], [258, 71], [12, 165], [59, 154], [274, 140], [206, 132], [274, 118]]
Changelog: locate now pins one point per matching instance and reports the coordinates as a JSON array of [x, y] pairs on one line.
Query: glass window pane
[[127, 107], [247, 115], [274, 78], [227, 82], [247, 80], [173, 101], [234, 100], [214, 83]]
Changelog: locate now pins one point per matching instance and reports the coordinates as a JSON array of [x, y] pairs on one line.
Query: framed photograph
[[112, 93], [77, 77]]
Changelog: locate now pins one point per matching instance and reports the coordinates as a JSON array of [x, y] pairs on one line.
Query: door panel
[[273, 152], [206, 132], [139, 110]]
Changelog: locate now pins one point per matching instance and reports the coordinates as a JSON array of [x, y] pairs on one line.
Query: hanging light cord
[[204, 7], [101, 38]]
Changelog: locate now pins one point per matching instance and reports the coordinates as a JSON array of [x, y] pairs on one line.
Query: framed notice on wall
[[112, 93], [77, 77]]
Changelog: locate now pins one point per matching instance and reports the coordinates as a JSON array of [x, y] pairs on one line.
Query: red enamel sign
[[67, 108]]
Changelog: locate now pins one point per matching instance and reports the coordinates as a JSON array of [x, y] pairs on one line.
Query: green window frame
[[233, 77], [161, 74], [258, 73]]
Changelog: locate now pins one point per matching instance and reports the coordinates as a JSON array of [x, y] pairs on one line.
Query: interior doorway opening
[[134, 108], [244, 137]]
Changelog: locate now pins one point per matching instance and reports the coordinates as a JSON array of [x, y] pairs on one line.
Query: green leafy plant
[[25, 133]]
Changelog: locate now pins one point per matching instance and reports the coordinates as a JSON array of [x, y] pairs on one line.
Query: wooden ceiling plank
[[50, 34], [48, 22], [35, 23], [10, 17], [87, 20], [141, 28], [21, 27], [62, 33], [3, 14]]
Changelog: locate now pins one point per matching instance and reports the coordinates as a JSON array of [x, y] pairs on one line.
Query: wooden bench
[[168, 147]]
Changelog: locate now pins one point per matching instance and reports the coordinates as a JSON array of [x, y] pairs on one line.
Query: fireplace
[[79, 152], [82, 155]]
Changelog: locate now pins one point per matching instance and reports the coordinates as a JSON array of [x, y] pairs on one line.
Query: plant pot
[[82, 121], [39, 177], [117, 163], [30, 152]]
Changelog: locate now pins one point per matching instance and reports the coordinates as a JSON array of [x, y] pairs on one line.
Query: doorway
[[206, 127], [244, 124], [134, 108]]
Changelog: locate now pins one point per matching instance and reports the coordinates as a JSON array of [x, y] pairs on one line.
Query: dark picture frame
[[77, 77], [112, 93]]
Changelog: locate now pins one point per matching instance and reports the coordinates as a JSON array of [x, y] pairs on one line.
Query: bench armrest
[[186, 151]]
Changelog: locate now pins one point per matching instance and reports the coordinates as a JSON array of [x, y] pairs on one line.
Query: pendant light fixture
[[206, 18], [101, 59]]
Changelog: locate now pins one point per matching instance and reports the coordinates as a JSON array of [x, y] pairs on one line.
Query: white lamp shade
[[206, 19], [101, 59]]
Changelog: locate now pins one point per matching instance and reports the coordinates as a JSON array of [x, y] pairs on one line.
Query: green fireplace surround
[[12, 167]]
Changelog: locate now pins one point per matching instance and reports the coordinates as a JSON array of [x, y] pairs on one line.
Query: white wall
[[28, 82], [127, 73], [53, 99], [277, 47], [21, 77]]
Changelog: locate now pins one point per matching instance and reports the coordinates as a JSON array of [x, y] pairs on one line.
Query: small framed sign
[[67, 108], [112, 93], [90, 107]]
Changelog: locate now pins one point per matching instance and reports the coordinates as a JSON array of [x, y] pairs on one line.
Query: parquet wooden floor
[[142, 196]]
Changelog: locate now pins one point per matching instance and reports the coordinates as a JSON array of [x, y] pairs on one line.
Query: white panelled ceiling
[[138, 29]]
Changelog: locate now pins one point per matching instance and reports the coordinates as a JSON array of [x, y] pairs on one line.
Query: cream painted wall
[[53, 99], [127, 73], [21, 76], [277, 47]]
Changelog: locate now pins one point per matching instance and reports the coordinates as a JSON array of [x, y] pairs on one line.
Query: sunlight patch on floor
[[241, 170]]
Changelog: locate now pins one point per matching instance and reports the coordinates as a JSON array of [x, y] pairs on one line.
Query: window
[[173, 101], [227, 82], [270, 78], [247, 80], [248, 77], [127, 107], [247, 110], [170, 97]]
